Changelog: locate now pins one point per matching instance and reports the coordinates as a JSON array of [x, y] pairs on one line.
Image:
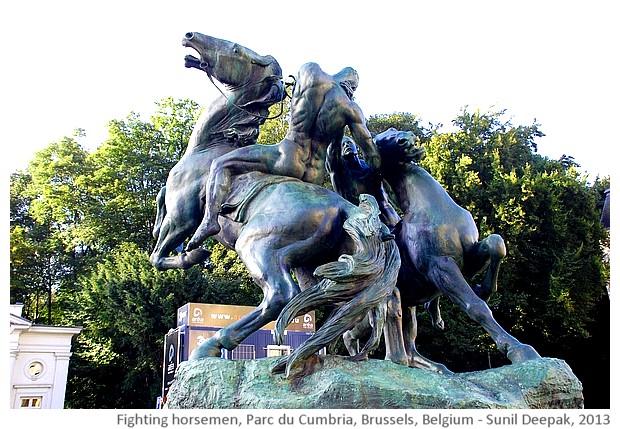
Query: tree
[[174, 120], [128, 171], [553, 279], [58, 195], [47, 202], [401, 121], [23, 268], [125, 306], [124, 183]]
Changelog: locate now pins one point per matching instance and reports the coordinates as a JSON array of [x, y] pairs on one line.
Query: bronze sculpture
[[361, 285], [277, 224], [273, 212]]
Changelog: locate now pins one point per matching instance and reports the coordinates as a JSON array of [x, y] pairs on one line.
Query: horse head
[[398, 147], [234, 65], [253, 83]]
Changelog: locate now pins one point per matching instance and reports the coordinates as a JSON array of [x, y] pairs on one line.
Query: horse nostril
[[189, 35]]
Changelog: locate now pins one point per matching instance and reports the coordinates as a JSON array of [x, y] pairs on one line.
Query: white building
[[39, 362]]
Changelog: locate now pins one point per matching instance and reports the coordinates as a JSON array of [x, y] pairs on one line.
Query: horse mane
[[236, 115]]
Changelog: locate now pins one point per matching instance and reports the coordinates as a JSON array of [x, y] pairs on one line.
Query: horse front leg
[[445, 274], [170, 236]]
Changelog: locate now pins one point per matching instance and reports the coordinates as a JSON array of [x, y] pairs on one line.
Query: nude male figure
[[322, 107]]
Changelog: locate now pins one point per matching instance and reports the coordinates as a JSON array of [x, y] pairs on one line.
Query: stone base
[[336, 383]]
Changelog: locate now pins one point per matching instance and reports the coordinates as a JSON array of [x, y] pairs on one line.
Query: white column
[[13, 359], [60, 379]]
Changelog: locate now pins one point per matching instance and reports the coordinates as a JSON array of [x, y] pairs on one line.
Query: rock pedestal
[[337, 383]]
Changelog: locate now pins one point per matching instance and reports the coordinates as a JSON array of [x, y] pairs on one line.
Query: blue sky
[[70, 64]]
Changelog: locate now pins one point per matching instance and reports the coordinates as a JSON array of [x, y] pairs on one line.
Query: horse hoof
[[194, 257], [442, 369], [522, 353], [279, 365], [399, 360], [192, 244], [360, 357], [428, 365], [205, 350], [435, 367]]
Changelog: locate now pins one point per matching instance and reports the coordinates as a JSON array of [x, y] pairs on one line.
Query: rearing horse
[[440, 249], [252, 83]]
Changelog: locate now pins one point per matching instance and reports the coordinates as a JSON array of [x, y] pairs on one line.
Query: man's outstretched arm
[[364, 140]]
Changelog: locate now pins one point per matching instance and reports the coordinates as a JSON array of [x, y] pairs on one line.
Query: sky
[[69, 64]]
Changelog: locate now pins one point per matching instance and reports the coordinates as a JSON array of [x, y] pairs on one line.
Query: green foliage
[[274, 130], [57, 194], [225, 267], [125, 306], [401, 121], [24, 273], [46, 206], [174, 121]]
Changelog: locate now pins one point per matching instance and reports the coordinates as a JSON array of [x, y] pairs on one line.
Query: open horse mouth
[[190, 60], [413, 153]]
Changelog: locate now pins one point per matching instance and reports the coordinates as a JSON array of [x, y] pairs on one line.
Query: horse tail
[[373, 297], [362, 281], [161, 211]]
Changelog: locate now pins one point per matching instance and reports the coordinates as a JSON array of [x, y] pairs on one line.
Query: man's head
[[348, 148], [348, 79]]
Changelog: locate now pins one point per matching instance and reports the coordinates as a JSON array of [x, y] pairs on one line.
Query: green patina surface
[[337, 383]]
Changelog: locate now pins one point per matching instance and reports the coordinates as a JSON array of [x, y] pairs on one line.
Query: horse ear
[[264, 61]]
